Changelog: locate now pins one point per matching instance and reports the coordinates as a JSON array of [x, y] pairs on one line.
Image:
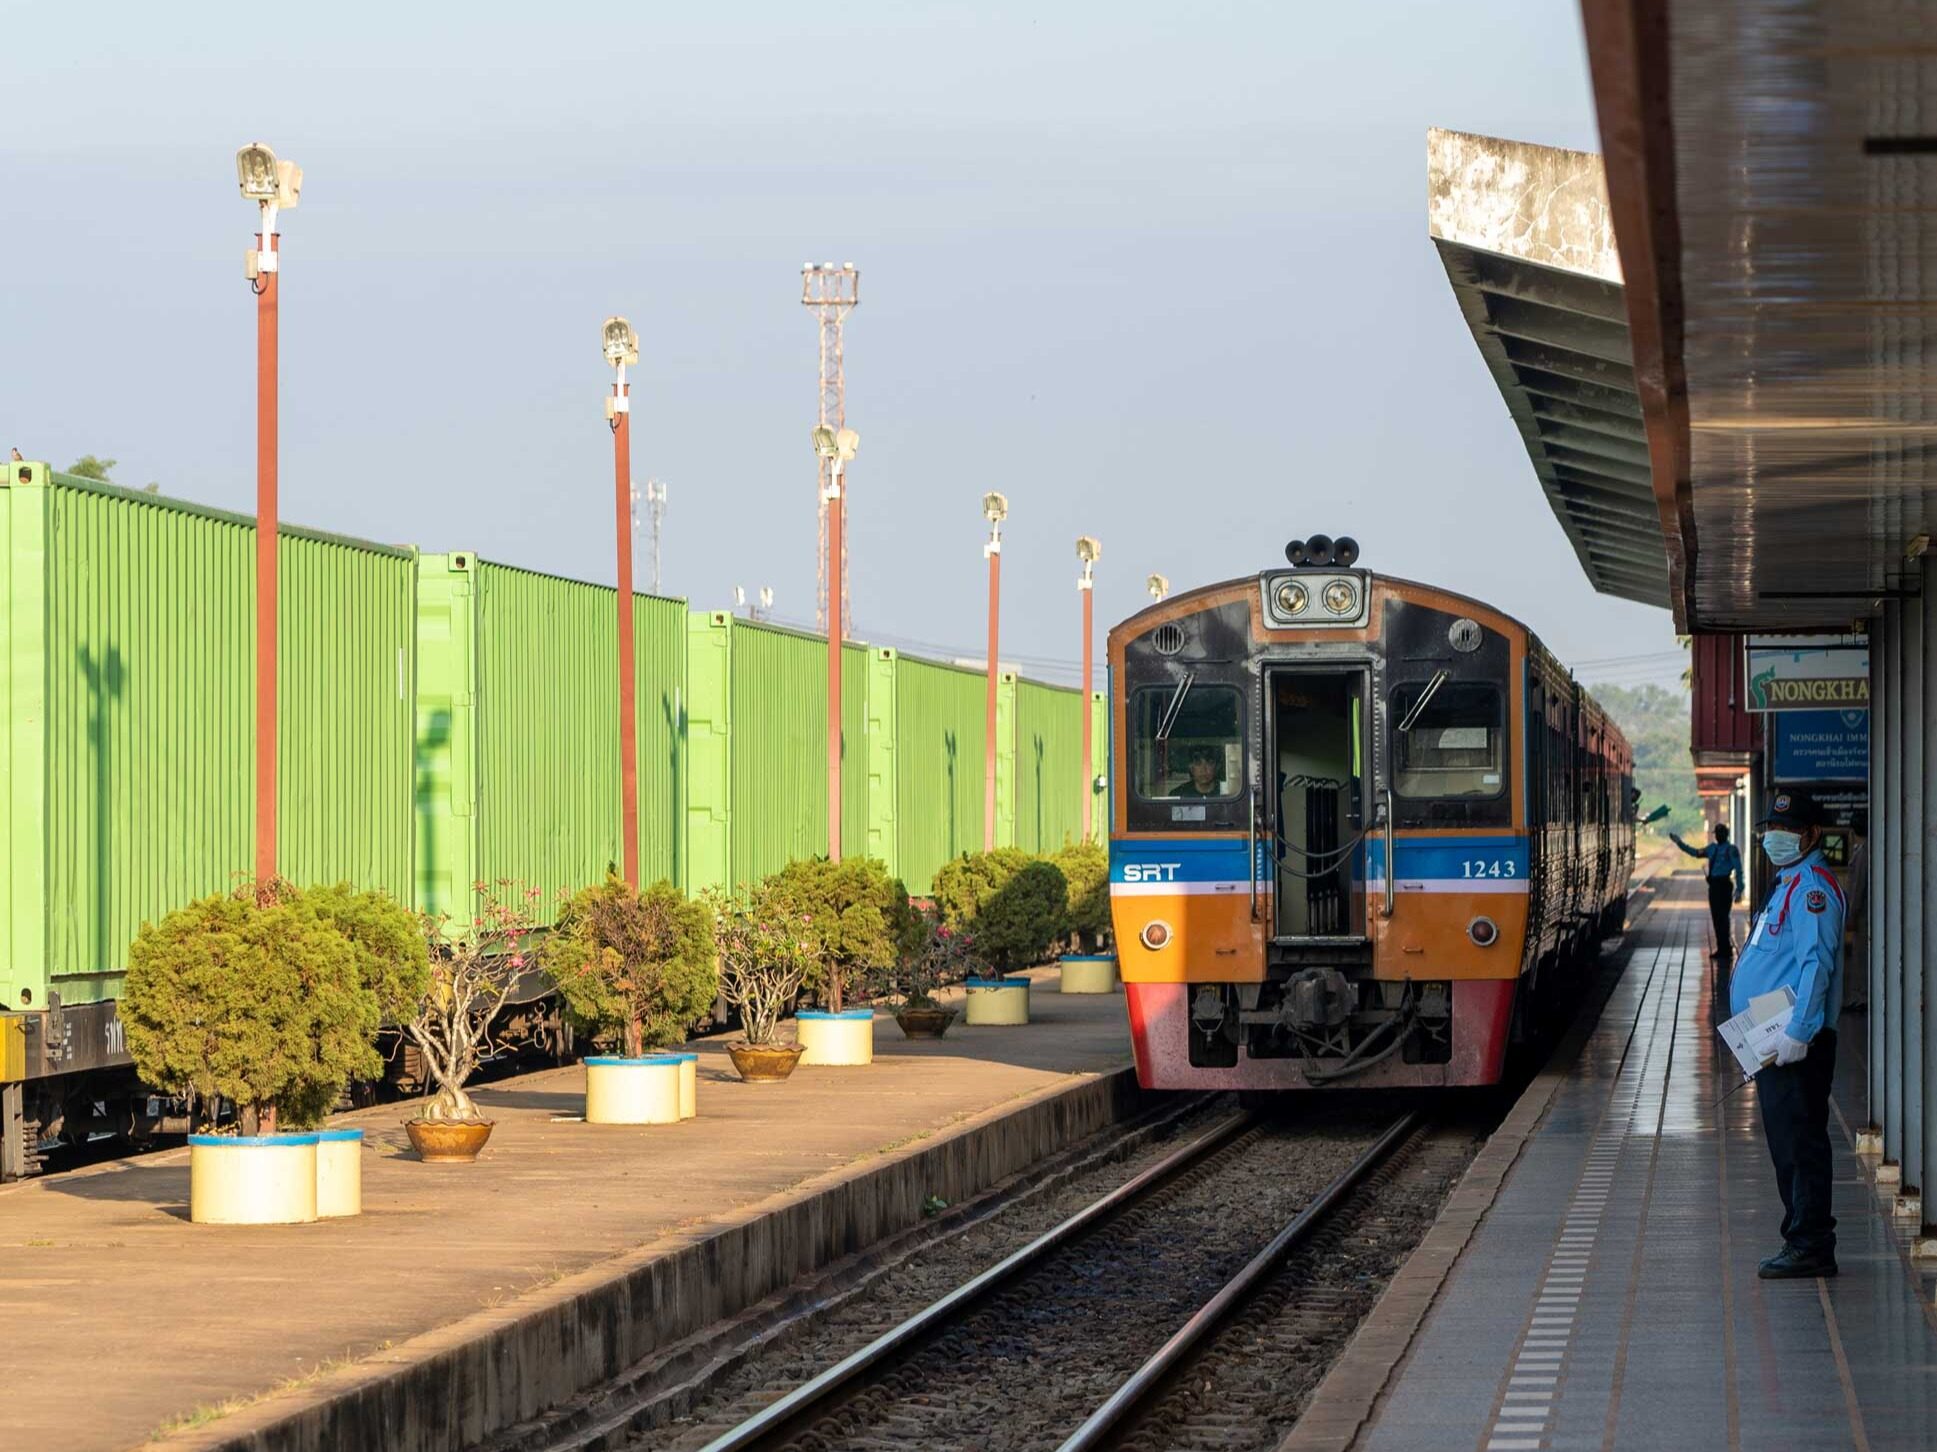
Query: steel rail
[[1147, 1378], [782, 1417]]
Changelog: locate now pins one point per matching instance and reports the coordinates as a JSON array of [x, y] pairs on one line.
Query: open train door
[[1317, 816]]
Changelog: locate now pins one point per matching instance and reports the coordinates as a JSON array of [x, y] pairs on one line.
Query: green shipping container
[[128, 625], [940, 739], [1049, 766], [518, 732]]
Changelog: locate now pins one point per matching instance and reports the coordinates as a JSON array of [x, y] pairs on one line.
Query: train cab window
[[1447, 739], [1188, 745]]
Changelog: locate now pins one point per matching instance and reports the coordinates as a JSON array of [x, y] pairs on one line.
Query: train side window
[[1449, 739], [1188, 743]]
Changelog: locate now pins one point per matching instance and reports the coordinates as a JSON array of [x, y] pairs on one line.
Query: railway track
[[1200, 1263]]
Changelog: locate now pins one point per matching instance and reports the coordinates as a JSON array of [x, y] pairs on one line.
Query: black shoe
[[1790, 1264]]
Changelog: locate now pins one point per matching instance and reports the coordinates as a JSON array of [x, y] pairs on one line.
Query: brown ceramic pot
[[447, 1141], [925, 1023], [765, 1063]]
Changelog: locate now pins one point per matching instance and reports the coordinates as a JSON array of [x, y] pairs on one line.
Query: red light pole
[[995, 507], [837, 447], [273, 186], [1089, 550], [621, 348]]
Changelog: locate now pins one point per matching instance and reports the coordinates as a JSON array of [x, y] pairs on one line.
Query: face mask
[[1782, 848]]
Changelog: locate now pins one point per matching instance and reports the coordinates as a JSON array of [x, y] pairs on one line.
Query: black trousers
[[1795, 1118], [1721, 892]]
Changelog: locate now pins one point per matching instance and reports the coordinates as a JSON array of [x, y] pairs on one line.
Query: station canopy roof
[[1771, 175], [1527, 241]]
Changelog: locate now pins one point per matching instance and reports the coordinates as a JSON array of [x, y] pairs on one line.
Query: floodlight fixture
[[265, 180], [1088, 548], [621, 342], [827, 443], [1158, 586], [995, 507], [847, 444]]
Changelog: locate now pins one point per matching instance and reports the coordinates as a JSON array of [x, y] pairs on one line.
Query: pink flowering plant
[[937, 954], [472, 973]]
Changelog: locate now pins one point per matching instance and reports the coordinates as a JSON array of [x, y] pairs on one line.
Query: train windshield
[[1189, 743], [1447, 739]]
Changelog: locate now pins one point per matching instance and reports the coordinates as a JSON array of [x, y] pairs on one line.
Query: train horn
[[1345, 551], [1297, 554], [1319, 549]]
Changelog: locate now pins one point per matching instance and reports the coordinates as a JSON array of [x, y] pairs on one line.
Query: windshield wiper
[[1176, 705], [1419, 706]]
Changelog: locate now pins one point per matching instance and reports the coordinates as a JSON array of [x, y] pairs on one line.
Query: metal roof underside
[[1804, 139], [1524, 235]]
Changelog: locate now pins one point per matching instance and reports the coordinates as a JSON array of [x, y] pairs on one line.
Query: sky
[[1158, 272]]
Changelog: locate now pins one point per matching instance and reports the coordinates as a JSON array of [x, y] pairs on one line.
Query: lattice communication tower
[[832, 292]]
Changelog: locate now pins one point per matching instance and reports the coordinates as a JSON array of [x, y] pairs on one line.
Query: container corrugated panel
[[659, 693], [779, 766], [150, 662], [940, 740], [1049, 766]]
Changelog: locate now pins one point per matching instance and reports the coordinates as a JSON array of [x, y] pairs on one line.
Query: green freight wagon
[[518, 732], [127, 661]]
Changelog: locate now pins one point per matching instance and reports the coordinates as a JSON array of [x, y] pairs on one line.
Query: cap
[[1792, 809]]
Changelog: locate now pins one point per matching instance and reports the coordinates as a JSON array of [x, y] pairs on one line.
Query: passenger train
[[1365, 832]]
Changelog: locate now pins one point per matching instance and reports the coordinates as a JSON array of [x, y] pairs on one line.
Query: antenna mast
[[832, 292]]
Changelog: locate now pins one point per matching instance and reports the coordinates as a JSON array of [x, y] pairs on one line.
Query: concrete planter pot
[[688, 1083], [263, 1179], [997, 1001], [448, 1141], [764, 1063], [835, 1040], [1088, 973], [339, 1173], [632, 1091], [930, 1022]]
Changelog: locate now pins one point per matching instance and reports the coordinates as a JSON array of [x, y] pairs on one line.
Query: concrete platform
[[1593, 1282], [467, 1297]]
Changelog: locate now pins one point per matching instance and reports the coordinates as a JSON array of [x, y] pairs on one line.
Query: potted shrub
[[393, 965], [764, 958], [1012, 905], [1091, 966], [635, 968], [258, 1000], [857, 922], [471, 975], [944, 956]]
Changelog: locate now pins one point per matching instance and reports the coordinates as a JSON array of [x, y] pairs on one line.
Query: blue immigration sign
[[1820, 745]]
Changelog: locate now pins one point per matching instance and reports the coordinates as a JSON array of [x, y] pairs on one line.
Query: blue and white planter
[[835, 1040], [258, 1179], [1088, 973], [997, 1001], [688, 1083], [632, 1091], [339, 1173]]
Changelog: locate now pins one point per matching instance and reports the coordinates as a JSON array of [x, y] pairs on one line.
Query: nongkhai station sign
[[1808, 672]]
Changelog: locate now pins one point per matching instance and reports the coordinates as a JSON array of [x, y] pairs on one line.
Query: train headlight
[[1341, 597], [1155, 935], [1483, 931], [1293, 598]]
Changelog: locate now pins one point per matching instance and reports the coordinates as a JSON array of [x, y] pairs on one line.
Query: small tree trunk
[[834, 988], [635, 1039], [251, 1118]]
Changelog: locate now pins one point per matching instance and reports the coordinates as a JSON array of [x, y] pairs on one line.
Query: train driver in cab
[[1206, 777]]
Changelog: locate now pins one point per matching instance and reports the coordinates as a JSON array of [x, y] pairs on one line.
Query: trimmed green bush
[[393, 959], [856, 917], [635, 968], [965, 884], [1011, 904], [1086, 918], [254, 997]]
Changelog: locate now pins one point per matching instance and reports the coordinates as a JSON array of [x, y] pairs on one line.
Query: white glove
[[1790, 1051]]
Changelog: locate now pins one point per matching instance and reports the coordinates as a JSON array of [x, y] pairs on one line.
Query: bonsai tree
[[857, 918], [636, 966], [1086, 915], [1012, 904], [471, 974], [941, 955], [764, 956], [255, 997]]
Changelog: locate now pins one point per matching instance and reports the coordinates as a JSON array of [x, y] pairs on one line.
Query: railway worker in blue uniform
[[1723, 861], [1797, 943]]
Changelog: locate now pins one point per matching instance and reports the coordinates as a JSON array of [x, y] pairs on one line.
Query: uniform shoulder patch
[[1816, 900]]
